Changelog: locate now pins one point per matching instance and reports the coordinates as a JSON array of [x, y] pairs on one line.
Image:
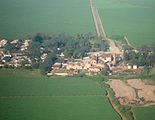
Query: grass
[[27, 96], [20, 18], [144, 113], [135, 19]]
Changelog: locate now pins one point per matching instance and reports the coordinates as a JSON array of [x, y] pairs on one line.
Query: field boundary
[[115, 107], [100, 30], [97, 21], [37, 96], [127, 41]]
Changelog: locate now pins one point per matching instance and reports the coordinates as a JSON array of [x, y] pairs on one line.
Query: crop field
[[20, 18], [133, 18], [144, 113], [26, 95]]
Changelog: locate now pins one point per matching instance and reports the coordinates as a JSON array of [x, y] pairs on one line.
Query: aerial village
[[8, 59], [112, 60], [92, 64]]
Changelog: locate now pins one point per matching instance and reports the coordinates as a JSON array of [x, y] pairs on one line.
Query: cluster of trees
[[71, 46], [143, 56]]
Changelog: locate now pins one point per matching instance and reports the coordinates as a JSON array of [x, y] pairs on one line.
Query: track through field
[[38, 96]]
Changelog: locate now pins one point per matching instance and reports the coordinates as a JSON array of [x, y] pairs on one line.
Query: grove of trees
[[143, 56]]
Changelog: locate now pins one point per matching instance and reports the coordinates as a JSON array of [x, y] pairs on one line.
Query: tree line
[[142, 56]]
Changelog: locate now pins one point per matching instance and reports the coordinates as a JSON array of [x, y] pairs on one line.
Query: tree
[[46, 65], [34, 50], [38, 38]]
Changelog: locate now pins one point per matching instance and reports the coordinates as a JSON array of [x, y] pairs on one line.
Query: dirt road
[[97, 20], [112, 46], [125, 37], [100, 30]]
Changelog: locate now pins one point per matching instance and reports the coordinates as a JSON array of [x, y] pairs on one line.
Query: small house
[[135, 67], [56, 66]]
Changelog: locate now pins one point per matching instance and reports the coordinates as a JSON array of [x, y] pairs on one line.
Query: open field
[[137, 94], [144, 113], [19, 18], [135, 19], [26, 95], [57, 108], [134, 91]]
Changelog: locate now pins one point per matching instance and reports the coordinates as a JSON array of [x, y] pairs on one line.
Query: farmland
[[138, 110], [28, 95], [144, 113], [135, 19], [20, 18]]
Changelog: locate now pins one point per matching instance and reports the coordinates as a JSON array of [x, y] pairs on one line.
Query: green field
[[144, 113], [19, 18], [30, 96], [57, 108], [133, 18]]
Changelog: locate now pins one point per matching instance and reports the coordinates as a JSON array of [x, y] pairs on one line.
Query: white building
[[3, 42], [14, 41]]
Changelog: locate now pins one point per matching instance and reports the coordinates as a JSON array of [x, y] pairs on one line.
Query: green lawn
[[20, 18], [135, 19], [144, 113], [30, 96]]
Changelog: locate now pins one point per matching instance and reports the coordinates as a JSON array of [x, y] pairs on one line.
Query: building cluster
[[16, 58], [93, 64], [25, 45], [3, 43]]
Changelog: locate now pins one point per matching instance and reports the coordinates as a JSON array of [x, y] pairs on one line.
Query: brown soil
[[133, 91]]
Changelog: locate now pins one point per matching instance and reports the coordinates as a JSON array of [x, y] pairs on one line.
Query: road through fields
[[98, 24], [100, 30]]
